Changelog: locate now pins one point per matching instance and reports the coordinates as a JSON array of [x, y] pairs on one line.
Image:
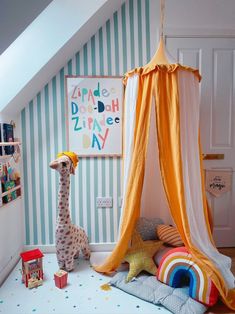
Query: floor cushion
[[148, 288]]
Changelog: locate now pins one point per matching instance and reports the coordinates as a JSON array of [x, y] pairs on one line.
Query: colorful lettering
[[94, 113], [109, 121], [86, 141], [76, 128], [90, 96], [95, 140], [105, 92], [104, 138], [74, 108], [89, 120], [100, 106], [97, 91], [115, 105], [96, 125], [117, 120], [84, 92]]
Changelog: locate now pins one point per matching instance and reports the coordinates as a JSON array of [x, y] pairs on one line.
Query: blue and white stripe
[[111, 51]]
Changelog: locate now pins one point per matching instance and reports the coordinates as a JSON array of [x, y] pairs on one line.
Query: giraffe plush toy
[[70, 239]]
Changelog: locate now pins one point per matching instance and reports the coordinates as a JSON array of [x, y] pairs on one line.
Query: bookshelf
[[9, 143], [5, 157], [15, 188]]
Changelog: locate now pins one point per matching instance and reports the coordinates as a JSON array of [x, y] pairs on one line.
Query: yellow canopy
[[175, 89]]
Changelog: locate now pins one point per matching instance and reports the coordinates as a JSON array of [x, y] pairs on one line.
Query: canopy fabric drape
[[175, 89]]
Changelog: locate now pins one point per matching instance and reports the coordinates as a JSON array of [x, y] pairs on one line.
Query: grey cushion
[[148, 288], [147, 227]]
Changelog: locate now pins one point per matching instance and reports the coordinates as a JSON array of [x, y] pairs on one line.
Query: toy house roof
[[29, 255]]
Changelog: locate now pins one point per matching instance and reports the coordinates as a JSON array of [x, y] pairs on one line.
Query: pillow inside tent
[[147, 227], [169, 235]]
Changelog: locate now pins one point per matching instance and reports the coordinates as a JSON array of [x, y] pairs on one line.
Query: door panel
[[215, 58]]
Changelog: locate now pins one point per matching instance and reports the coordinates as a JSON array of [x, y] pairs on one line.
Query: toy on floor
[[32, 269], [70, 239], [140, 256], [61, 278], [177, 268], [34, 282]]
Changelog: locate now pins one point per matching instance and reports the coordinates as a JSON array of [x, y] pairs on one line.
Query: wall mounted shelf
[[11, 190], [15, 188], [9, 143]]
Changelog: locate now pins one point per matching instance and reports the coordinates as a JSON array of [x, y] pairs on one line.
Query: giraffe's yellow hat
[[74, 157]]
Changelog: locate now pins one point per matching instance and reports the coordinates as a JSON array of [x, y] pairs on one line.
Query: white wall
[[211, 16], [11, 224], [215, 14]]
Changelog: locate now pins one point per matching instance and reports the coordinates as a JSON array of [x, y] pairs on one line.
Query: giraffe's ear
[[72, 169]]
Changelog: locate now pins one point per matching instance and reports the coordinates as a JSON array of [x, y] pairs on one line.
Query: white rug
[[82, 294]]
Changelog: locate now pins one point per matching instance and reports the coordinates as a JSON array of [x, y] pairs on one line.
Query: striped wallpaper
[[113, 50]]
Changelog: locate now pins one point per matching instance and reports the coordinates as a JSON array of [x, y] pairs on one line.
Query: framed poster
[[94, 115]]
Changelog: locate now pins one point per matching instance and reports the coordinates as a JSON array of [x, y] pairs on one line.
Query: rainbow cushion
[[177, 268]]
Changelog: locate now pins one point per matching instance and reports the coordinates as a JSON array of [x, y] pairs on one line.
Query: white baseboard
[[95, 247], [5, 270]]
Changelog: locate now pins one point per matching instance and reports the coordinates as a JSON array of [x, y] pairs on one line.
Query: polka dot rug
[[82, 294]]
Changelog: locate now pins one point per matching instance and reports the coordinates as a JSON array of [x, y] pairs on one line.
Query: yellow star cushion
[[140, 256]]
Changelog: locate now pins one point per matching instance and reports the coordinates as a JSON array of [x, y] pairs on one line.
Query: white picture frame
[[94, 115]]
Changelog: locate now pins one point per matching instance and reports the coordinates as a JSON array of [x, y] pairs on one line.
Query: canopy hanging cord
[[160, 57], [162, 17]]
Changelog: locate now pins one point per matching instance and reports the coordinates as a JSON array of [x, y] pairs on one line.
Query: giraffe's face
[[62, 164]]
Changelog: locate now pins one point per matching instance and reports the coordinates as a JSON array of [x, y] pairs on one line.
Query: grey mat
[[148, 288]]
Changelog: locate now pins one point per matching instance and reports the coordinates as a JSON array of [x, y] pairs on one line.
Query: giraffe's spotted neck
[[63, 200]]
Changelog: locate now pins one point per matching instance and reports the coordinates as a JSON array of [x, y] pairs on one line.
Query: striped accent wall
[[113, 50]]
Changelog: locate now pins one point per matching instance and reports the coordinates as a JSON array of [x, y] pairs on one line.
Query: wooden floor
[[230, 252], [220, 307]]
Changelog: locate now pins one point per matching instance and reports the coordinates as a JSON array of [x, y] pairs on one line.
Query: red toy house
[[31, 265]]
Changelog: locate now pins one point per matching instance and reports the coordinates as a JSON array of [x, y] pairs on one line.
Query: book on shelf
[[0, 194], [11, 195], [7, 135], [1, 138]]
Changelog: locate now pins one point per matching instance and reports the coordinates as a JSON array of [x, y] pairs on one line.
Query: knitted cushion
[[169, 235], [178, 268], [147, 228]]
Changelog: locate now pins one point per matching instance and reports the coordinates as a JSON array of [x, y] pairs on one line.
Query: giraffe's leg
[[85, 247], [76, 256], [69, 264], [86, 251], [60, 262]]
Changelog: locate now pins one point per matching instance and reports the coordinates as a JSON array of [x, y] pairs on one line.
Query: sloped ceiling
[[14, 18], [45, 46]]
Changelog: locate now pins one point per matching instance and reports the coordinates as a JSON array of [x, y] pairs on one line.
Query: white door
[[215, 58]]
